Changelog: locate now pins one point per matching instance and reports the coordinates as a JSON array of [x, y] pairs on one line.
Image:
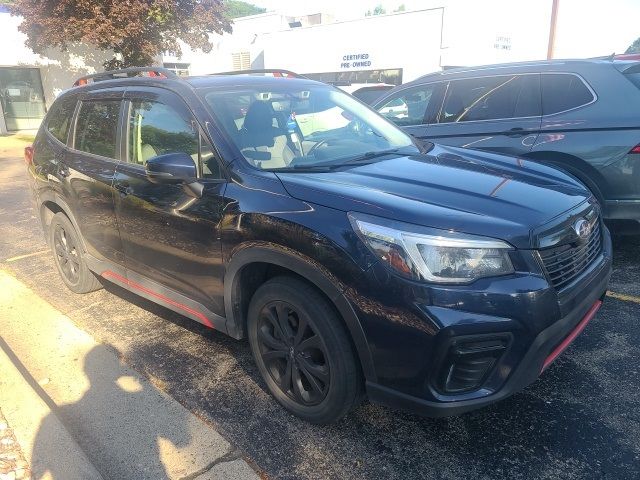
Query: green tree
[[379, 10], [401, 8], [135, 30], [237, 9], [634, 47]]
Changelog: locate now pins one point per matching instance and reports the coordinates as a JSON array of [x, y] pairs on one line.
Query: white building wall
[[443, 33], [58, 69], [246, 35], [407, 40]]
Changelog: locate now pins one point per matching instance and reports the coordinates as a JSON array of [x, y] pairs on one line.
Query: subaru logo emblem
[[582, 228]]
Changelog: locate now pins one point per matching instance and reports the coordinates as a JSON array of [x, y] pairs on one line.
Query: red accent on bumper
[[572, 335], [157, 295]]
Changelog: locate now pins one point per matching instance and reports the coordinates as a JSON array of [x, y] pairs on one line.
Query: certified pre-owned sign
[[355, 61]]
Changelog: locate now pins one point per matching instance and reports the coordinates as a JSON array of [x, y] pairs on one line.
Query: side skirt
[[156, 293]]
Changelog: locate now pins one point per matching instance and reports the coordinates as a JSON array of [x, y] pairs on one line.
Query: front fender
[[304, 267]]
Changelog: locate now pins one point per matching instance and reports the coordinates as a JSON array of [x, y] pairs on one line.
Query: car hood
[[450, 188]]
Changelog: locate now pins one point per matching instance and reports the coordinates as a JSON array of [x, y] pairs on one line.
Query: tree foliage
[[634, 47], [379, 10], [135, 30], [237, 9]]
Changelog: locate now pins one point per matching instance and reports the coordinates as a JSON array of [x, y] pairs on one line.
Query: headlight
[[430, 254]]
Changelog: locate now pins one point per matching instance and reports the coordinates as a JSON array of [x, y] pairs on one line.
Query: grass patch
[[25, 137], [13, 145]]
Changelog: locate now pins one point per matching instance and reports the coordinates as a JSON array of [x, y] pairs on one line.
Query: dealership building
[[391, 48]]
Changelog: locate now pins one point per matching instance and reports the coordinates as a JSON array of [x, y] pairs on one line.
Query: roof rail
[[277, 72], [125, 73]]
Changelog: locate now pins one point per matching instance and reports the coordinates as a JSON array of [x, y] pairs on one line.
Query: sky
[[586, 28]]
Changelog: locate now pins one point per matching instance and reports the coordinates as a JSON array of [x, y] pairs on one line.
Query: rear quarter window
[[562, 92], [59, 118]]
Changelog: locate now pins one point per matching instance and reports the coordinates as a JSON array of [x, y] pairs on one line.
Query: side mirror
[[171, 168]]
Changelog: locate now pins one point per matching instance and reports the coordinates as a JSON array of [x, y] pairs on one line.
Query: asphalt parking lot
[[581, 419]]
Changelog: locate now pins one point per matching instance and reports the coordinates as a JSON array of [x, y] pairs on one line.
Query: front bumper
[[524, 361]]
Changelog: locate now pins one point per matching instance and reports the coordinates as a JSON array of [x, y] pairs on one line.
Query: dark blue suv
[[356, 261]]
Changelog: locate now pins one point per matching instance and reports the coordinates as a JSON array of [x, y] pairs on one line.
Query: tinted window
[[96, 127], [561, 92], [491, 98], [59, 118], [408, 107], [369, 95], [156, 128]]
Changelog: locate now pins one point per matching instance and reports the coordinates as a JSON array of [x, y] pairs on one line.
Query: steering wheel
[[316, 146]]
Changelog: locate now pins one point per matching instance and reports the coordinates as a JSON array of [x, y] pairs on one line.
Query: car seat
[[261, 133]]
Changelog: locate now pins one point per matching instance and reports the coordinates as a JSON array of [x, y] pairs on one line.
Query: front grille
[[563, 264]]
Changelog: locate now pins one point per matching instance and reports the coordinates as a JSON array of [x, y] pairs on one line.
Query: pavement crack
[[230, 456]]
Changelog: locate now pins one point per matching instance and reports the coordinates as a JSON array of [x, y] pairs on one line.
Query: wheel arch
[[248, 268], [577, 167], [49, 206]]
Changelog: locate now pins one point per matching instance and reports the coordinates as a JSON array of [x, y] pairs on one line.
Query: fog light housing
[[469, 362]]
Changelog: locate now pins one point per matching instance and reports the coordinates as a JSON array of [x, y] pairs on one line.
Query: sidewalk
[[26, 412], [12, 463], [78, 412]]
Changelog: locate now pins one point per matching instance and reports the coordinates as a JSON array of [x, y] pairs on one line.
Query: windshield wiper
[[361, 159]]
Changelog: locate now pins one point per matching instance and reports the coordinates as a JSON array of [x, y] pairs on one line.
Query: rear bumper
[[546, 346]]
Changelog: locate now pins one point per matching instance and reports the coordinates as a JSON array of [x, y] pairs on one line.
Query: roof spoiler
[[276, 72], [159, 72]]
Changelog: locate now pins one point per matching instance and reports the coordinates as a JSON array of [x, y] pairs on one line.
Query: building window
[[22, 98], [241, 60], [180, 69]]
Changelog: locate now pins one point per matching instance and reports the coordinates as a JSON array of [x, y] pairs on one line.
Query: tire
[[324, 382], [67, 255]]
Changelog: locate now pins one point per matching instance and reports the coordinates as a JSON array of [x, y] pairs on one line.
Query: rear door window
[[562, 92], [96, 127], [408, 107], [491, 98], [59, 118]]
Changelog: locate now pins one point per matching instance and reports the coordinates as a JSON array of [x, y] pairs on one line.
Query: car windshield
[[309, 127]]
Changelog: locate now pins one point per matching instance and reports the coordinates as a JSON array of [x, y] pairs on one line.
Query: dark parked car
[[579, 115], [371, 94], [430, 278]]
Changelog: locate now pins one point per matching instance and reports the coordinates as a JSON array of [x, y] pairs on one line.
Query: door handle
[[124, 188]]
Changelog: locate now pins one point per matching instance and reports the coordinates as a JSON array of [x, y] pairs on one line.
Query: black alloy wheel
[[293, 352], [303, 351], [67, 254]]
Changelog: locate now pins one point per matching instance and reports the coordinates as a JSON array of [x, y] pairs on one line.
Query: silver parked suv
[[580, 115]]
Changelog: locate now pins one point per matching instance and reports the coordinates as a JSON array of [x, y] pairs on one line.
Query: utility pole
[[552, 28]]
